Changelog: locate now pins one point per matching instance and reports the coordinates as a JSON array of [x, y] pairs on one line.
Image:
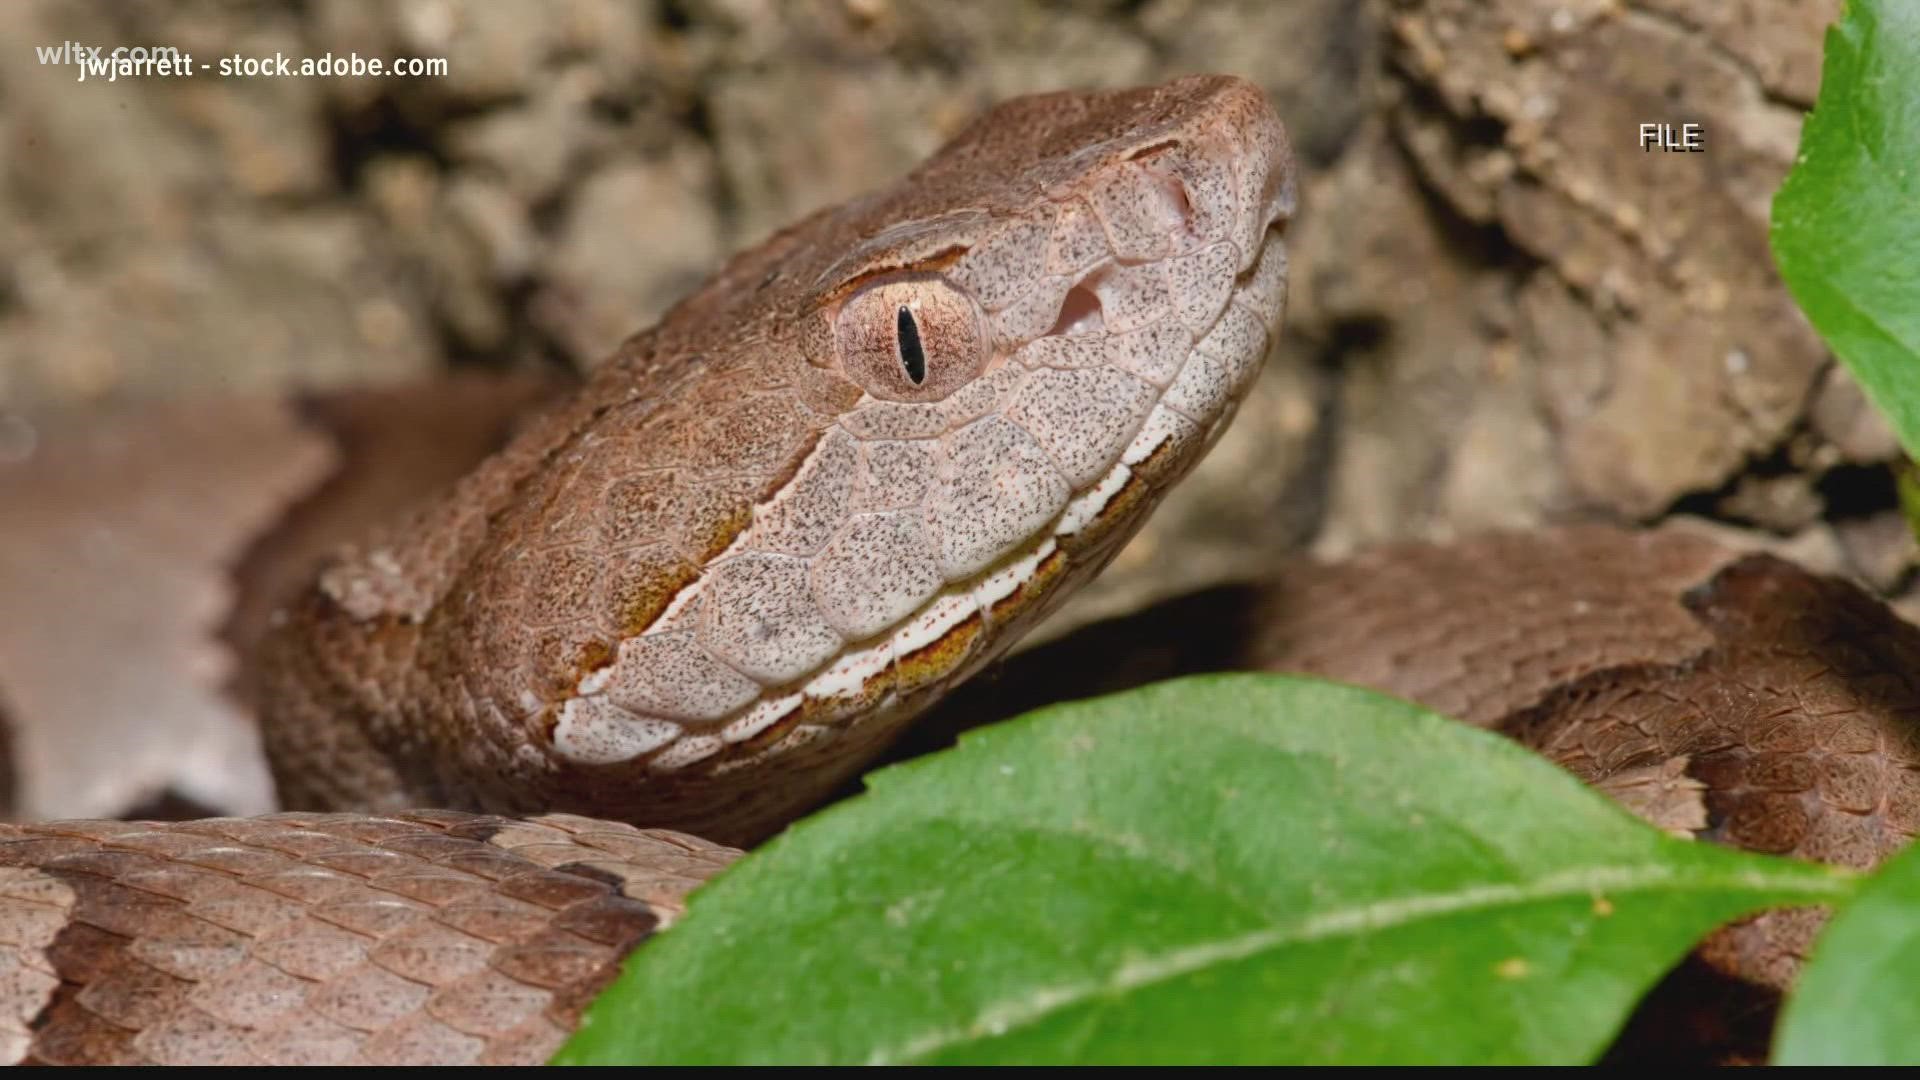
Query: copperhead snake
[[516, 725]]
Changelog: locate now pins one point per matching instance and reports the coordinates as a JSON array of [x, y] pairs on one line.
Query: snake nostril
[[1080, 313]]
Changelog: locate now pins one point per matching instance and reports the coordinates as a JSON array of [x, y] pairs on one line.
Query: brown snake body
[[834, 483]]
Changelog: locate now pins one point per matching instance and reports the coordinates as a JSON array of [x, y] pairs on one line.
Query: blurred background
[[1503, 310]]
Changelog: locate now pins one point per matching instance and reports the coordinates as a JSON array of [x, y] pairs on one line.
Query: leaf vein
[[1039, 1004]]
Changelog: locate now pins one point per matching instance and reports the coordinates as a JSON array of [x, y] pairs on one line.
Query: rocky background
[[1504, 312]]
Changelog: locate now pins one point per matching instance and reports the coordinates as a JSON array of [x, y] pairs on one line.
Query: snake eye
[[910, 339]]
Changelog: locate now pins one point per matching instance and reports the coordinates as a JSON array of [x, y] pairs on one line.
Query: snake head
[[841, 477], [1008, 356]]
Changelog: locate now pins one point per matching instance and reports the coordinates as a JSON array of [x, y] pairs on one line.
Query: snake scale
[[687, 602]]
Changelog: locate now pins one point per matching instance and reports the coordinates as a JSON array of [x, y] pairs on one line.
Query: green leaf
[[1858, 1001], [1846, 224], [1228, 868]]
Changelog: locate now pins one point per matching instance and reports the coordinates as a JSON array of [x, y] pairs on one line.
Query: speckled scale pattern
[[304, 939], [726, 549]]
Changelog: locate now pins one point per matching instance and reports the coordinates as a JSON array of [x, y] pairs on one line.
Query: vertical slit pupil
[[911, 354]]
